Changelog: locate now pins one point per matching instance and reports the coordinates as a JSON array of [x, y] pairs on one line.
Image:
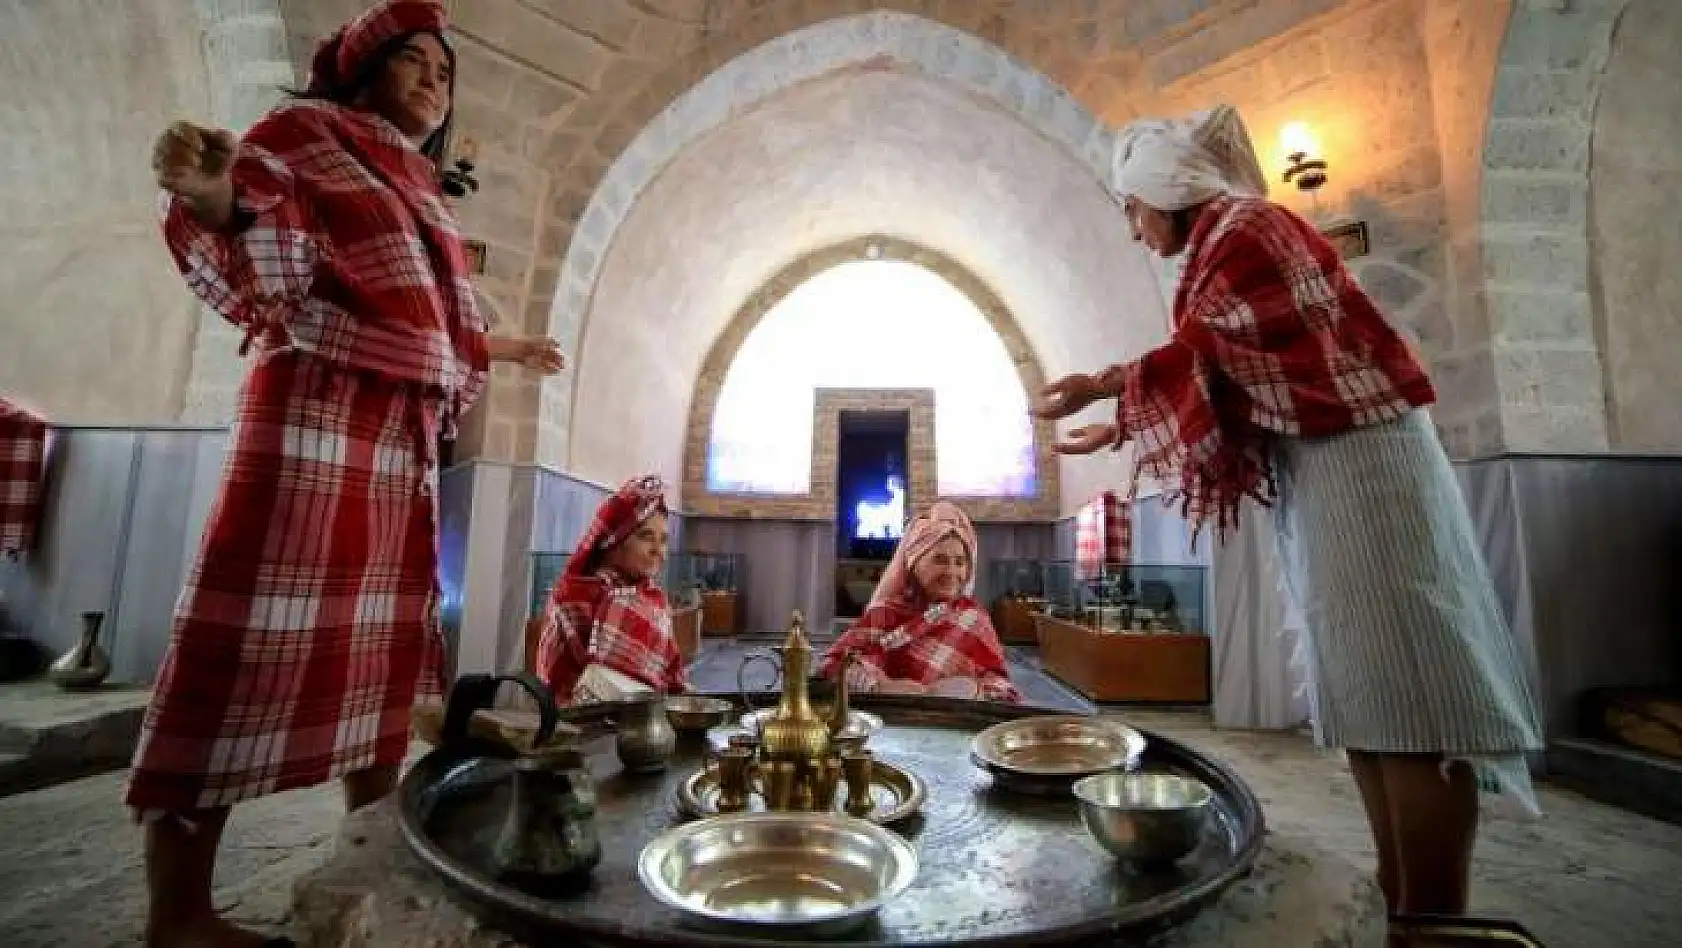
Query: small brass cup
[[857, 768], [779, 777], [734, 784]]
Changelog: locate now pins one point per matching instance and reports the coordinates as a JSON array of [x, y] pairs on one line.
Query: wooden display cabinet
[[719, 615], [1169, 668], [1013, 619]]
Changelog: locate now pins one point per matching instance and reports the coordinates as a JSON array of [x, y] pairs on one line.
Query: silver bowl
[[811, 875], [1144, 818], [693, 713], [1048, 753], [859, 723]]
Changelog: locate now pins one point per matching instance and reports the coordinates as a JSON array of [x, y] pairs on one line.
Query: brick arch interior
[[820, 502], [754, 61]]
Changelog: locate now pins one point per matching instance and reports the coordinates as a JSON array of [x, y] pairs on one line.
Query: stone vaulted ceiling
[[861, 151]]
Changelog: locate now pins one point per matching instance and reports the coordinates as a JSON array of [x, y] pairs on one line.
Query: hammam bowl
[[692, 713], [1146, 818], [1046, 754], [790, 875]]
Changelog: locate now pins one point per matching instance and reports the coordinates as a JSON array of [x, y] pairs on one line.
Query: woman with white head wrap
[[1282, 382]]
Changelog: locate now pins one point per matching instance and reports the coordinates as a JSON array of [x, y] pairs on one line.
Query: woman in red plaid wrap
[[310, 618], [1282, 382], [606, 609], [923, 632]]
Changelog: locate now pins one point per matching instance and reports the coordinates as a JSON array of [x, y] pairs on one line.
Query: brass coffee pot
[[795, 730], [794, 761]]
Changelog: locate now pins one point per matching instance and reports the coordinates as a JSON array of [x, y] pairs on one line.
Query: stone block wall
[[250, 61], [95, 326], [1535, 227], [1635, 175]]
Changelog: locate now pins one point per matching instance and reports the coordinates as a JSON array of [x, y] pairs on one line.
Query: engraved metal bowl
[[1144, 818], [859, 723], [690, 713], [811, 875], [1048, 753]]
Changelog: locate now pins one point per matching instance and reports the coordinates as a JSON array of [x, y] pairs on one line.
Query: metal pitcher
[[546, 839]]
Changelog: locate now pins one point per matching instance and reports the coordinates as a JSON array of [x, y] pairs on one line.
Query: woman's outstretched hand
[[1067, 395], [1088, 438], [538, 353], [196, 165]]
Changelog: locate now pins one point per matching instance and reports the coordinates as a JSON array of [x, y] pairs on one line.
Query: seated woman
[[606, 629], [923, 632]]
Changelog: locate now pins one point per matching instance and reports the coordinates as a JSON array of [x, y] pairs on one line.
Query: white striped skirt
[[1407, 646]]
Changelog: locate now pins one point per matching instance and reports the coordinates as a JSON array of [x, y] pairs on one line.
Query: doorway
[[870, 502]]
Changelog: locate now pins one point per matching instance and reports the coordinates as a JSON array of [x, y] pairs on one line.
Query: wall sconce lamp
[[1305, 169], [459, 182]]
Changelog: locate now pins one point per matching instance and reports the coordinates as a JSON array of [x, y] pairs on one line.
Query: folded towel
[[23, 450]]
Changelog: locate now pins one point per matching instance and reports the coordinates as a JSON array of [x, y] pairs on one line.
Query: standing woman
[[1282, 382], [310, 618]]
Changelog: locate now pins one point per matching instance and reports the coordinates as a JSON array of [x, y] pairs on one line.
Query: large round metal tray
[[998, 868]]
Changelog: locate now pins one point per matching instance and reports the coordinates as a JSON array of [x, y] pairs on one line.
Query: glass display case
[[1135, 633], [1014, 590], [718, 578], [545, 569], [1142, 597]]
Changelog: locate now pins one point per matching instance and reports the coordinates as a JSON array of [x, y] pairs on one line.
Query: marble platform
[[373, 893]]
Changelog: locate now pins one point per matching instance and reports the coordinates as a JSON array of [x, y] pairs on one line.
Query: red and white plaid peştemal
[[1272, 335], [310, 619], [909, 641], [23, 449], [1103, 535]]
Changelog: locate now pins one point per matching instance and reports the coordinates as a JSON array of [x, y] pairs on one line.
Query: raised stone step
[[1636, 780], [49, 736]]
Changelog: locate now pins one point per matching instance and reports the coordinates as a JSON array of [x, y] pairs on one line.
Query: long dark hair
[[345, 90]]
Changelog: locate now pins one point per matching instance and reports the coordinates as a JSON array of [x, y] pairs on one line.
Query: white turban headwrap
[[1179, 163]]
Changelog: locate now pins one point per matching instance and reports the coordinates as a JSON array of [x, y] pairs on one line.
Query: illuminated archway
[[872, 324], [871, 314]]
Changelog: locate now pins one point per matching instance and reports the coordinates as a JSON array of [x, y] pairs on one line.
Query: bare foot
[[210, 932]]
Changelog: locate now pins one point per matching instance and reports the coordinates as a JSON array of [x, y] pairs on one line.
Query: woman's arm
[[238, 233], [539, 353]]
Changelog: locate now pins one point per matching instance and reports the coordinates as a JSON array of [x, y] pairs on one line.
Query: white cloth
[[600, 683], [1260, 668], [1173, 164]]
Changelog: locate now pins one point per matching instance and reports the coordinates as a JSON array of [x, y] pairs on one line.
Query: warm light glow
[[1297, 138], [873, 324]]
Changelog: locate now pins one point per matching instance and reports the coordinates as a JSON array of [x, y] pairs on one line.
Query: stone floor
[[1584, 876]]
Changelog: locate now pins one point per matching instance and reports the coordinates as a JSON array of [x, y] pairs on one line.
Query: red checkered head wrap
[[342, 58], [617, 518]]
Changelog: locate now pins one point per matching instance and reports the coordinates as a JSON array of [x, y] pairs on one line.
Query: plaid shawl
[[595, 615], [1272, 336], [909, 639], [348, 251], [23, 448]]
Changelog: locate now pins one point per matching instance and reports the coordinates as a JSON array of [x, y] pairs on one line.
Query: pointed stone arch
[[785, 59]]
